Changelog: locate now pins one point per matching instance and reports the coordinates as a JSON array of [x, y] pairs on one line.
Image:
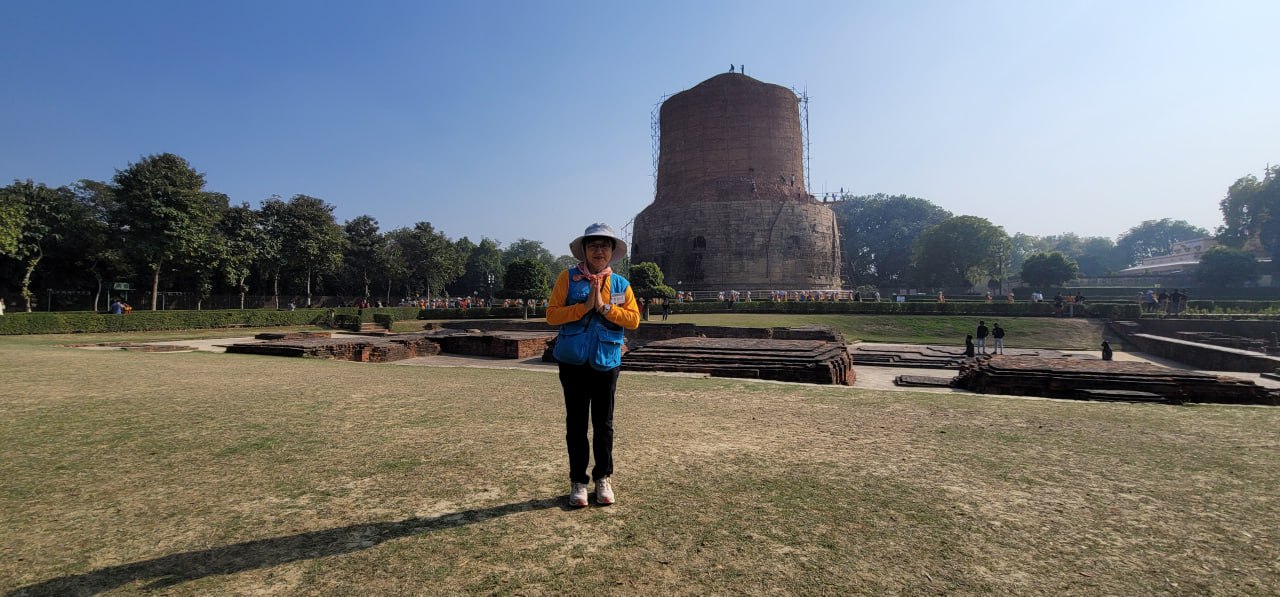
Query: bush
[[1232, 306], [71, 322], [481, 313], [1129, 293], [68, 322]]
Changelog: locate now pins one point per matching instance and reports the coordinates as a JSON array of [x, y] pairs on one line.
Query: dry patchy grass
[[197, 474]]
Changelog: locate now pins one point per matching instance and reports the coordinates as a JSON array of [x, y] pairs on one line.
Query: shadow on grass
[[264, 553]]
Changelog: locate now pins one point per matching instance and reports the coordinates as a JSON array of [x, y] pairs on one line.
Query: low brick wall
[[506, 345], [532, 325], [1093, 379], [1249, 328], [652, 331], [1204, 356], [364, 350]]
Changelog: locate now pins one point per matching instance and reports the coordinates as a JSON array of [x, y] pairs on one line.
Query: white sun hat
[[604, 231]]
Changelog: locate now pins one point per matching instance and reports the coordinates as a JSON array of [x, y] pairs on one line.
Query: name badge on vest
[[617, 299]]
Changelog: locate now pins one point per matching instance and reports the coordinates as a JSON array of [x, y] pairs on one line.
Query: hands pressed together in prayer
[[595, 298]]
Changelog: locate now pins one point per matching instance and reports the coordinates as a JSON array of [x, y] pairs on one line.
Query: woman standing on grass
[[593, 307]]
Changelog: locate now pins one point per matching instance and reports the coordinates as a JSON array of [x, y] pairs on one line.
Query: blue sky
[[531, 119]]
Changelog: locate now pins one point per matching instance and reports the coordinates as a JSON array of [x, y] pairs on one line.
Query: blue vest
[[593, 339]]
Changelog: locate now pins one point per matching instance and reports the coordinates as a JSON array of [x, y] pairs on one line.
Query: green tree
[[392, 265], [647, 283], [242, 242], [1048, 269], [13, 216], [484, 269], [877, 233], [311, 241], [1155, 237], [1267, 206], [1223, 266], [360, 259], [47, 212], [564, 262], [526, 279], [430, 260], [165, 213], [1248, 205], [1095, 255], [1022, 246], [273, 217], [206, 262], [964, 250], [95, 242], [1098, 256], [528, 249]]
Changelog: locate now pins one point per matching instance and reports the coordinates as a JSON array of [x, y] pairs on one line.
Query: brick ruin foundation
[[927, 357], [803, 354], [805, 361], [500, 344], [1094, 379], [396, 347], [1054, 374], [360, 349]]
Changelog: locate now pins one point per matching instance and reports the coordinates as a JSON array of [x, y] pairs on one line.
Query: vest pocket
[[608, 353], [573, 347]]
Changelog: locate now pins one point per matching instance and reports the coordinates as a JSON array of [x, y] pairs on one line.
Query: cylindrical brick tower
[[731, 211]]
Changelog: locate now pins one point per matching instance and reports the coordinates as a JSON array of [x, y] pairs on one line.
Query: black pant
[[588, 393]]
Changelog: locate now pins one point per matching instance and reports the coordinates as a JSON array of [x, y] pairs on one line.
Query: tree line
[[896, 241], [157, 224]]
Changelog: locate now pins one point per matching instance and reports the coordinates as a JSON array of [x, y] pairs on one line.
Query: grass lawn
[[1022, 332], [202, 474]]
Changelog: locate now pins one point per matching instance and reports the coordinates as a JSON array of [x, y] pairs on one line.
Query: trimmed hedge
[[73, 322], [995, 308], [1131, 292], [70, 322], [1234, 306], [481, 313], [67, 322]]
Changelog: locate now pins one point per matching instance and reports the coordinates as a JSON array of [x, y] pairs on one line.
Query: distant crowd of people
[[779, 296], [460, 302], [1170, 303]]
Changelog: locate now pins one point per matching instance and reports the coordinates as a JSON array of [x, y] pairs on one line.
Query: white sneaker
[[578, 495], [604, 492]]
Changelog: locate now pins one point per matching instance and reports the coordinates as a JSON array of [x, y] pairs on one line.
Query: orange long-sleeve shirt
[[626, 314]]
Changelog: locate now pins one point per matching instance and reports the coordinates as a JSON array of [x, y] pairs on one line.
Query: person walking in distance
[[593, 307], [982, 336]]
